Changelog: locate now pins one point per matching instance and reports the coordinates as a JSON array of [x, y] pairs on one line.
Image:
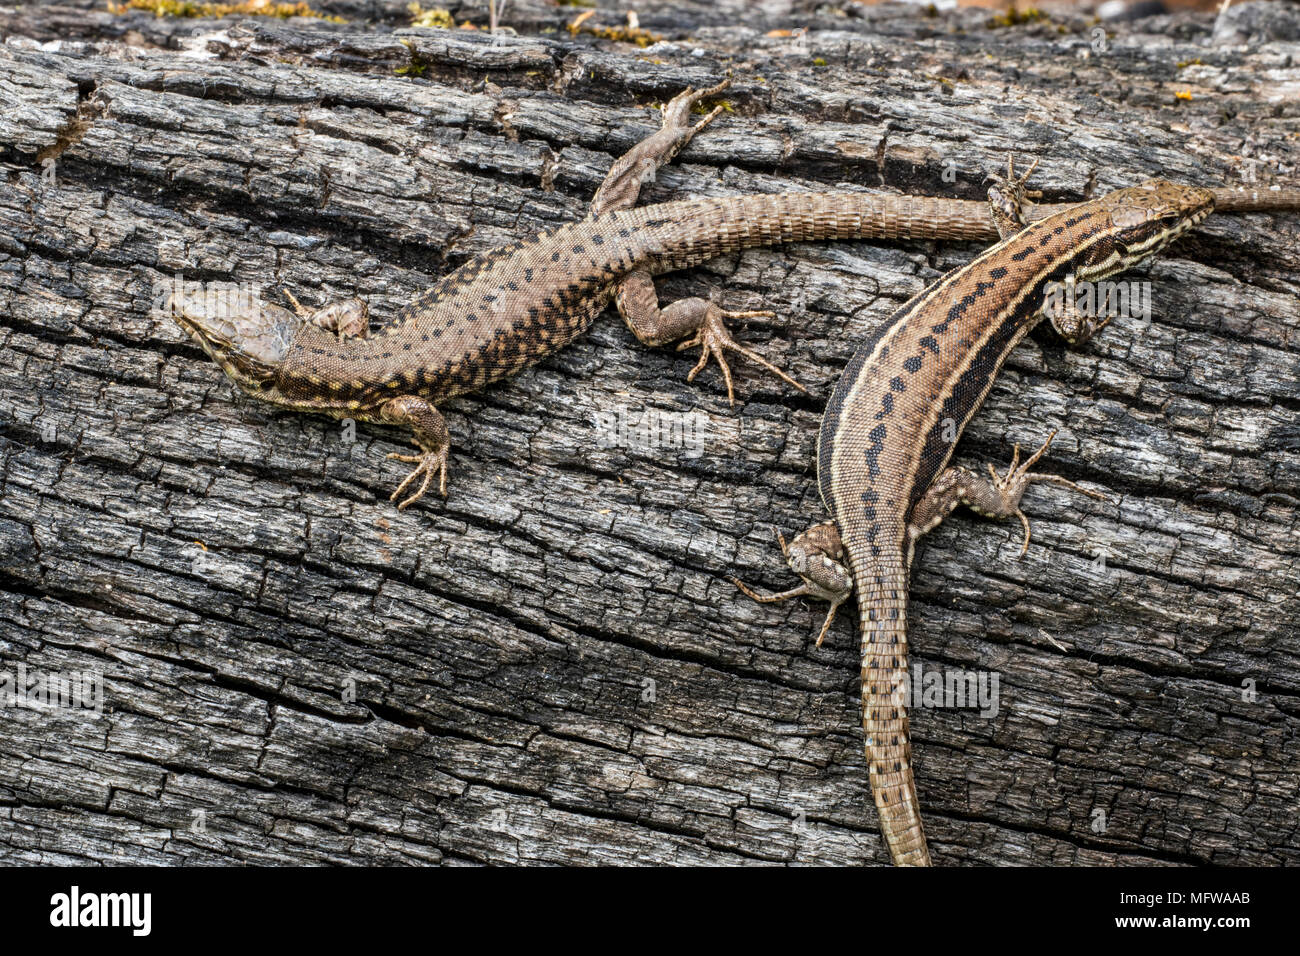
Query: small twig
[[1223, 9], [496, 8]]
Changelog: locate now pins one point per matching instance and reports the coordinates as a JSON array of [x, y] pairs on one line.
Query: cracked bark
[[551, 665]]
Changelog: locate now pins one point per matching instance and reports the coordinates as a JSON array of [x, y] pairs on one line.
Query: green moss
[[252, 8], [1014, 17], [642, 38], [702, 108], [435, 17], [415, 67]]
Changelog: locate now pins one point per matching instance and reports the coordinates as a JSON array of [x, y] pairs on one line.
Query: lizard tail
[[882, 603], [1255, 200], [685, 233]]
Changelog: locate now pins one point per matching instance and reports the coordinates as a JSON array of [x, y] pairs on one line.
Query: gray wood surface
[[551, 666]]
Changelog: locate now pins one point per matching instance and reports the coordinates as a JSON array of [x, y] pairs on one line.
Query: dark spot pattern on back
[[876, 438]]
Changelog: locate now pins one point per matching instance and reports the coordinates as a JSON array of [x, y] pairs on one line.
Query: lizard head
[[246, 337], [1143, 220]]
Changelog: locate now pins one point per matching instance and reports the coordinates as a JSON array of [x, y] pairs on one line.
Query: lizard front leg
[[429, 432], [998, 498], [346, 318], [1009, 199], [699, 322], [350, 318]]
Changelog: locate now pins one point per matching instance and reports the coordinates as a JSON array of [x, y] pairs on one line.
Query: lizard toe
[[426, 464], [715, 340]]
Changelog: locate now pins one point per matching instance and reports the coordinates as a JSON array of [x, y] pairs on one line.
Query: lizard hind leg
[[641, 163], [714, 341], [700, 319], [817, 556]]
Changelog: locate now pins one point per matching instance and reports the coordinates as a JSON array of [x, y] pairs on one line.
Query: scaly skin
[[895, 416], [513, 306]]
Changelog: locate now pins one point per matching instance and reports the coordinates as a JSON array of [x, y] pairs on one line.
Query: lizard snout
[[246, 336]]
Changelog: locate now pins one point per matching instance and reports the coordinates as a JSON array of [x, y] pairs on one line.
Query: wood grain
[[551, 666]]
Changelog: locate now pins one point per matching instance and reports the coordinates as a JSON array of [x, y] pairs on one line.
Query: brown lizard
[[511, 307], [901, 405]]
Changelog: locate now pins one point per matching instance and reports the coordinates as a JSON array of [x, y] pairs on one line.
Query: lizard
[[902, 403], [511, 307]]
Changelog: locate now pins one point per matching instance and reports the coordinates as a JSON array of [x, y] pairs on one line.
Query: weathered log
[[551, 665]]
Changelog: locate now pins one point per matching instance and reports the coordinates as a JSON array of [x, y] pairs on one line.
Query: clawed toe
[[714, 340], [1016, 184], [678, 109], [803, 590], [1012, 485], [709, 118], [426, 464], [1008, 198], [687, 98]]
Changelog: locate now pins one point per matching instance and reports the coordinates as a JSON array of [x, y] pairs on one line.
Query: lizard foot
[[429, 432], [1012, 485], [715, 341], [346, 318], [817, 556], [677, 111], [640, 164], [1008, 197], [426, 464]]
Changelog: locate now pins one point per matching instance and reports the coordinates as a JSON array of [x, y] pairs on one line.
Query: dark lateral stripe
[[961, 383], [835, 405], [968, 392], [969, 382], [844, 386]]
